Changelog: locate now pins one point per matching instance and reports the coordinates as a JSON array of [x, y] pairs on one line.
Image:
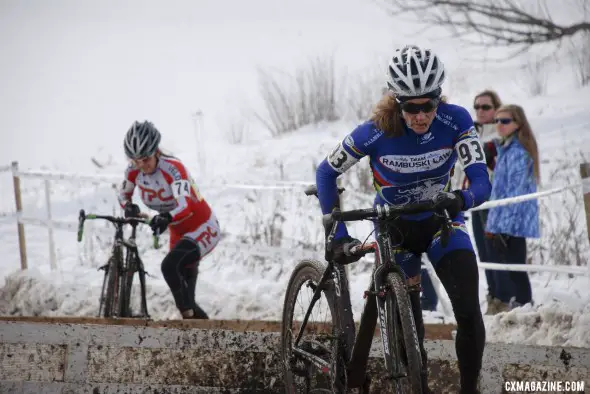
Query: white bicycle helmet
[[415, 72], [141, 140]]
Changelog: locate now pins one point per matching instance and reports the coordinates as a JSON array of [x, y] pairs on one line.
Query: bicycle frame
[[357, 346]]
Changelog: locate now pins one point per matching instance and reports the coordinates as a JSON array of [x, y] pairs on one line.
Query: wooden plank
[[433, 331]]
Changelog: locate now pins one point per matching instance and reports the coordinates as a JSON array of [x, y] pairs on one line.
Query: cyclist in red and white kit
[[167, 187]]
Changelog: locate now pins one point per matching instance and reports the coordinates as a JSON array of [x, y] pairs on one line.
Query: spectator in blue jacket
[[516, 173]]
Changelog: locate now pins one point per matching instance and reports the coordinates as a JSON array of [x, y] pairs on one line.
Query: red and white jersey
[[169, 188]]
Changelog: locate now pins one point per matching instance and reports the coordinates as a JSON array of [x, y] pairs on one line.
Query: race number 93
[[470, 152]]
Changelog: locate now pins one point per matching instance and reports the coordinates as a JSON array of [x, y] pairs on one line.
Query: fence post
[[19, 210], [585, 173], [200, 140], [52, 261]]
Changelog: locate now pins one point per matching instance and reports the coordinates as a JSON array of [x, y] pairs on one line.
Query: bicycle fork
[[392, 364], [375, 310], [104, 283]]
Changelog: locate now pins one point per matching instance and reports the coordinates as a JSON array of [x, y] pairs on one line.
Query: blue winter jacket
[[514, 176]]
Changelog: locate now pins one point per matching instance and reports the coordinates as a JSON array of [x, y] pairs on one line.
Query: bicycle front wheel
[[320, 335], [403, 338], [126, 286], [110, 298]]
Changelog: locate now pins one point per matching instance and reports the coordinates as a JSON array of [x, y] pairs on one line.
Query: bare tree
[[519, 24], [293, 101], [535, 76], [363, 91], [580, 52]]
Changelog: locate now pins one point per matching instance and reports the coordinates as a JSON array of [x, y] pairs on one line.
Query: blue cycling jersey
[[410, 168]]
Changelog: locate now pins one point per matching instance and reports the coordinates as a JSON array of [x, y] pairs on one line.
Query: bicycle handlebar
[[387, 211], [115, 220], [381, 212]]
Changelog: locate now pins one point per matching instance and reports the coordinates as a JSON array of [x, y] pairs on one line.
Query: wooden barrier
[[432, 331], [70, 358]]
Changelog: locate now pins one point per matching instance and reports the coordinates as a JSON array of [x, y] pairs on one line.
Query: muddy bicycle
[[332, 357], [115, 296]]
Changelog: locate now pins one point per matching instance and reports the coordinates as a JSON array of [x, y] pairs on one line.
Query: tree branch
[[502, 22]]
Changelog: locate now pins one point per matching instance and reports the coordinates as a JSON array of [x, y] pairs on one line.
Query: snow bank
[[33, 293], [553, 324]]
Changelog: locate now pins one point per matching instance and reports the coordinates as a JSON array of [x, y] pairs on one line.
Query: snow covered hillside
[[266, 229]]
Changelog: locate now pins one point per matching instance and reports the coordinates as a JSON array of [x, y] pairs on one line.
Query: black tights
[[180, 268], [459, 275]]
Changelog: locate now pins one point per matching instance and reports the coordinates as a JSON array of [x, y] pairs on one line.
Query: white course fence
[[51, 224]]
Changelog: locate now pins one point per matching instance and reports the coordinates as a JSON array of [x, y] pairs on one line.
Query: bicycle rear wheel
[[404, 348], [321, 335]]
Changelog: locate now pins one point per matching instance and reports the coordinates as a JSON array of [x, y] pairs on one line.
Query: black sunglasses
[[414, 108], [485, 107], [503, 120]]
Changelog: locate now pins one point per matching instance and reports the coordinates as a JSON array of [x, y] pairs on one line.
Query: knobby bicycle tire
[[127, 284], [141, 273], [398, 302], [305, 271], [111, 299]]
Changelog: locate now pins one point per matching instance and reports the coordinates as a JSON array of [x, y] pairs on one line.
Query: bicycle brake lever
[[81, 219], [353, 250], [327, 222]]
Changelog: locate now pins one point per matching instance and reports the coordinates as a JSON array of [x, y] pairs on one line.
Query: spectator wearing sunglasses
[[485, 105], [508, 226]]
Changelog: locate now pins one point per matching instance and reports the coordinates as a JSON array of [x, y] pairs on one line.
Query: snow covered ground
[[244, 278]]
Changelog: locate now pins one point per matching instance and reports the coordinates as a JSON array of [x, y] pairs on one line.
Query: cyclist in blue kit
[[413, 140]]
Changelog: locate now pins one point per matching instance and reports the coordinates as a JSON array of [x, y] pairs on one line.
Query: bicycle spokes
[[309, 345]]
